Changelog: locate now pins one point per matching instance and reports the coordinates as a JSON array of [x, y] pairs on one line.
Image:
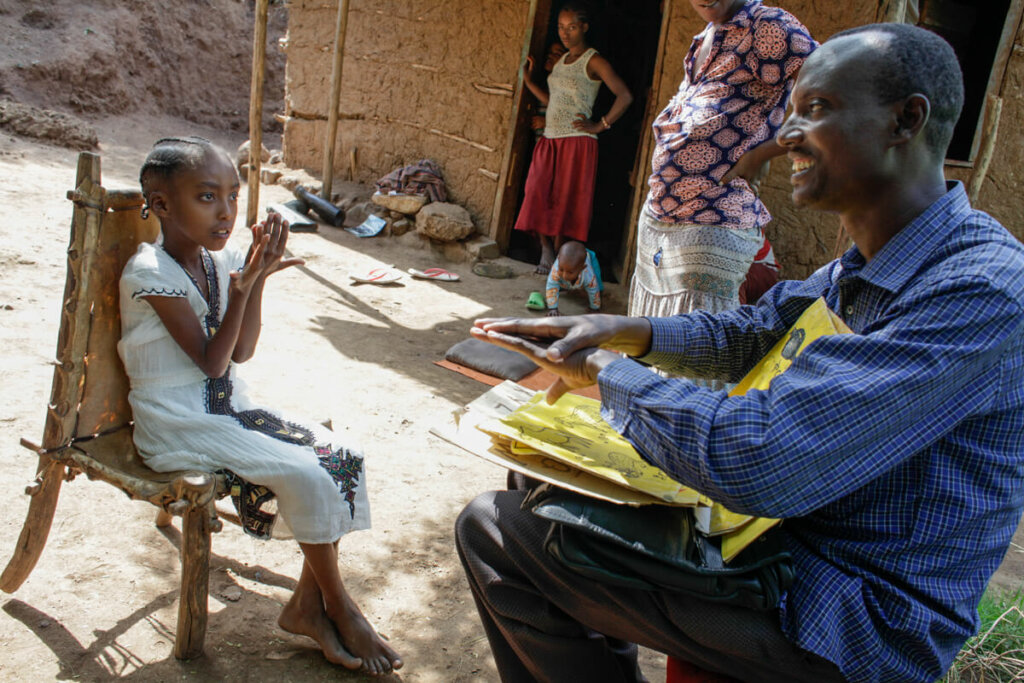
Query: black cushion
[[490, 359]]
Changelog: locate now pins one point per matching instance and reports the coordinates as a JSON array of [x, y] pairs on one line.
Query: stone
[[401, 226], [414, 239], [481, 247], [452, 251], [231, 593], [496, 271], [445, 222], [408, 204], [294, 178], [356, 213], [275, 157], [270, 176], [242, 157], [395, 214]]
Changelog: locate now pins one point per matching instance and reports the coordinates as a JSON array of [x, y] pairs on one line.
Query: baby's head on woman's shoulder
[[190, 184]]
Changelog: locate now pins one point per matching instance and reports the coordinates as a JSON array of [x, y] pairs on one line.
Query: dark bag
[[655, 547]]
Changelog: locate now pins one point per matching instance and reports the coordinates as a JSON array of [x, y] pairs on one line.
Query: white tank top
[[570, 92]]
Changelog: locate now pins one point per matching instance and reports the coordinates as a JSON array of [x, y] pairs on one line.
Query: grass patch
[[996, 654]]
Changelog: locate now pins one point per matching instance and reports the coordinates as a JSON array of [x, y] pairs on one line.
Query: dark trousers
[[547, 623]]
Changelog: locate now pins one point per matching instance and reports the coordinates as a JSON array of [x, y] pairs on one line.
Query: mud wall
[[420, 80], [436, 81]]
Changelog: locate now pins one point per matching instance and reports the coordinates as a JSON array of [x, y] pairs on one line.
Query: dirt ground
[[102, 602]]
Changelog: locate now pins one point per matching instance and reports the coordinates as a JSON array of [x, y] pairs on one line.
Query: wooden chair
[[88, 420]]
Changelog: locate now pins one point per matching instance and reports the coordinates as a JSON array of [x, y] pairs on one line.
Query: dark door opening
[[626, 33], [973, 29]]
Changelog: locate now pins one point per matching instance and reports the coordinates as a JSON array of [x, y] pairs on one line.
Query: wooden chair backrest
[[90, 388]]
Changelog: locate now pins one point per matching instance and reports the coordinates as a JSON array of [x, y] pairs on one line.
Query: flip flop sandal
[[378, 276], [536, 302], [439, 274]]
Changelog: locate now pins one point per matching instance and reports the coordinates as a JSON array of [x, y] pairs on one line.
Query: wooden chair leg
[[37, 525], [163, 518], [195, 582]]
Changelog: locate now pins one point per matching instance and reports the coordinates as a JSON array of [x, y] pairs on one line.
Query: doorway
[[626, 33], [981, 34]]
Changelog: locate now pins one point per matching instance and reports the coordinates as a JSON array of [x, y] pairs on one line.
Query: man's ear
[[911, 116]]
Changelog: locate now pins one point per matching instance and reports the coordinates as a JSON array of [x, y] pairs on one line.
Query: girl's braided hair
[[168, 157], [580, 8]]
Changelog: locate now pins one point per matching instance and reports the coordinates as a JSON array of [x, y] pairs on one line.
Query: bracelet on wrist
[[604, 120]]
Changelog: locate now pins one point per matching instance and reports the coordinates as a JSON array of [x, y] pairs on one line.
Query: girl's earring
[[145, 211]]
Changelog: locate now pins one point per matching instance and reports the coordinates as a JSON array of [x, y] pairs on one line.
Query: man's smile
[[801, 164]]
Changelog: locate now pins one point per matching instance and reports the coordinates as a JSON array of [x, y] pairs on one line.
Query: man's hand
[[579, 369], [571, 347]]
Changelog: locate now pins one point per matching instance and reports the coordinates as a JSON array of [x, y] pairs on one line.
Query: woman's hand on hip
[[582, 123]]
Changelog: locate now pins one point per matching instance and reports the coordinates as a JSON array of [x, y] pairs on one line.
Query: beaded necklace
[[212, 299]]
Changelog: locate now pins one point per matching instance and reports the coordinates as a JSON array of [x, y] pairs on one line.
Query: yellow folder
[[572, 432]]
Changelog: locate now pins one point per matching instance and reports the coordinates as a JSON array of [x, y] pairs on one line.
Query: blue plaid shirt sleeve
[[896, 453], [773, 453]]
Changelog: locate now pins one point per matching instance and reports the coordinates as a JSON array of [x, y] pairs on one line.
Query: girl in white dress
[[190, 310]]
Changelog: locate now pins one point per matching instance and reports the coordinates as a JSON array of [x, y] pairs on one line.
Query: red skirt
[[559, 192]]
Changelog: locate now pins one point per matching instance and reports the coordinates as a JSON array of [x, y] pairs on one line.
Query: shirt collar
[[903, 255]]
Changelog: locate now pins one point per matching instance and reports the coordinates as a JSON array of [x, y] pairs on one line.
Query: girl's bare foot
[[360, 638], [304, 615]]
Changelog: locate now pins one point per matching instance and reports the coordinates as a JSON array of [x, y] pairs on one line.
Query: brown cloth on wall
[[422, 177]]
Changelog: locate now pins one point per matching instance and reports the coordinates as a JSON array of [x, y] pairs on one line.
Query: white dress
[[186, 421]]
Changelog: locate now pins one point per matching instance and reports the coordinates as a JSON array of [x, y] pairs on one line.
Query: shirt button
[[849, 310]]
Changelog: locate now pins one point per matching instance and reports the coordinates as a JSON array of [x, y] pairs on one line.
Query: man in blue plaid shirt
[[895, 454]]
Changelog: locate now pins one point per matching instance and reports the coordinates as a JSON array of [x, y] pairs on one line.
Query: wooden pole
[[332, 112], [993, 111], [259, 58]]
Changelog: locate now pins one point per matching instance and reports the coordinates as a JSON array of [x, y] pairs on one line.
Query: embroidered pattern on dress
[[158, 291], [218, 402], [212, 321], [344, 467], [248, 499]]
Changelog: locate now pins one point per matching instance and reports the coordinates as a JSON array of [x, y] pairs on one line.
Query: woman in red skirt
[[560, 185]]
